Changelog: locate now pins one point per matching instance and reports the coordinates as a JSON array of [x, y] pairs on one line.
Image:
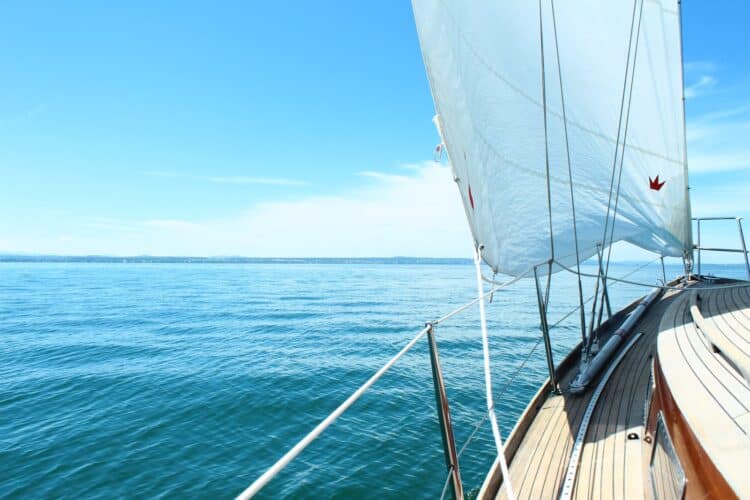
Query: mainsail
[[555, 113]]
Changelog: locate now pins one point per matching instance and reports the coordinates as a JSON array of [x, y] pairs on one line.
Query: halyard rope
[[290, 455], [259, 483], [520, 367], [488, 378]]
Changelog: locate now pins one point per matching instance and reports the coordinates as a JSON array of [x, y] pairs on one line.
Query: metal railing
[[742, 250], [443, 410]]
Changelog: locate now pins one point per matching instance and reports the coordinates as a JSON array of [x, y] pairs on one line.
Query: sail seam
[[534, 101], [559, 180]]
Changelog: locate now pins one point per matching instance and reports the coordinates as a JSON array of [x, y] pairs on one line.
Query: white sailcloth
[[484, 63]]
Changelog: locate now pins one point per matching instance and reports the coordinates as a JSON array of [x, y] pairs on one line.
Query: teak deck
[[612, 465]]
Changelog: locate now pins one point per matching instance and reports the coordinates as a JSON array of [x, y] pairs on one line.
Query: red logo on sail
[[655, 184], [471, 198]]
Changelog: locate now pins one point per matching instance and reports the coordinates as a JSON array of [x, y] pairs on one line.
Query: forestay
[[613, 69]]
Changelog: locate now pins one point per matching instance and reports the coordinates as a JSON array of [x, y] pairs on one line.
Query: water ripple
[[171, 380]]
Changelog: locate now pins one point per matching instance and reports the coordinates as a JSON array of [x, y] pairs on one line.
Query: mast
[[689, 239]]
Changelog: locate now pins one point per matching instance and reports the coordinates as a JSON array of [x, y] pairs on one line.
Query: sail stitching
[[534, 101], [559, 180]]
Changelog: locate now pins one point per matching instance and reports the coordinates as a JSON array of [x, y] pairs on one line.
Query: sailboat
[[564, 126], [564, 123]]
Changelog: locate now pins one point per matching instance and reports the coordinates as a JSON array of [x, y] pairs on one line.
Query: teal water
[[154, 380]]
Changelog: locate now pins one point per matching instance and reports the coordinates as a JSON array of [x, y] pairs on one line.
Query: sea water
[[154, 380]]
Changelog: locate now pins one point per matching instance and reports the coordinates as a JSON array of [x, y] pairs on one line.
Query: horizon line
[[8, 257]]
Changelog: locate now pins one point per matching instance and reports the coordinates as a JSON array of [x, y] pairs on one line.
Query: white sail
[[484, 63]]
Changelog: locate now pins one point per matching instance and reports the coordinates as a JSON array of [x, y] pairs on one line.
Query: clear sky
[[273, 128]]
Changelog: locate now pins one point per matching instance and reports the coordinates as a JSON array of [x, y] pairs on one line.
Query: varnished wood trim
[[703, 478]]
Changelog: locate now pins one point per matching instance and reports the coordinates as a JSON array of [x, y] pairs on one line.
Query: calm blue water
[[132, 380]]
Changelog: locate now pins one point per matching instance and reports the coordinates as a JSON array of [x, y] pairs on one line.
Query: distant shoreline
[[150, 259]]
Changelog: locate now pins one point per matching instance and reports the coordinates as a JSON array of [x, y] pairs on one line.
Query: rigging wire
[[619, 124], [546, 141], [622, 156], [521, 365], [293, 452], [570, 174], [617, 149], [447, 482], [652, 285]]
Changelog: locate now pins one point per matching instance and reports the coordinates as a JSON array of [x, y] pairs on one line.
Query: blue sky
[[272, 129]]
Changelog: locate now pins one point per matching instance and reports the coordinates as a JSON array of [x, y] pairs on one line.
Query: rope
[[652, 285], [488, 378], [624, 141], [570, 174], [619, 124], [617, 151], [323, 425], [290, 455], [447, 482], [520, 367], [546, 141], [500, 285], [502, 392]]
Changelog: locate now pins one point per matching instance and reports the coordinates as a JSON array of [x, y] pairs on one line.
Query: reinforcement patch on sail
[[535, 101]]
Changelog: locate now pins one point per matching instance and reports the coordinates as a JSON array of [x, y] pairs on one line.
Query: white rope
[[292, 453], [259, 483], [488, 379], [518, 370]]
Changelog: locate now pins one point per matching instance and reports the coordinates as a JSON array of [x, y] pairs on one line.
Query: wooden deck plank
[[742, 296], [612, 466], [728, 371], [698, 366], [707, 396], [718, 311], [538, 468], [733, 313]]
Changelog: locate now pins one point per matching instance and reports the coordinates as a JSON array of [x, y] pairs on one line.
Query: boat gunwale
[[493, 480]]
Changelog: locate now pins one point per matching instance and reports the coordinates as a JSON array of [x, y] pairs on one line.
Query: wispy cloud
[[700, 78], [719, 162], [267, 181], [717, 141], [275, 181], [703, 85], [383, 176], [717, 138], [416, 214], [170, 224], [692, 67]]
